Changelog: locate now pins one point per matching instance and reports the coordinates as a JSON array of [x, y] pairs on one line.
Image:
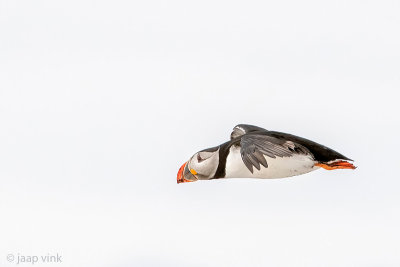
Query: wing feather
[[254, 148]]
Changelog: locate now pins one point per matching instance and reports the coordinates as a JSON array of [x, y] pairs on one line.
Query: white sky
[[102, 101]]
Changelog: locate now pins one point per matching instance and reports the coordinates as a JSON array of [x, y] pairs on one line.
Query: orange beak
[[180, 178]]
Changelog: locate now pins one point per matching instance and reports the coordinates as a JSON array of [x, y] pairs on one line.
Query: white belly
[[277, 167]]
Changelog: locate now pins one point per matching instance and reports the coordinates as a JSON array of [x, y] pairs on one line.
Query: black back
[[321, 153]]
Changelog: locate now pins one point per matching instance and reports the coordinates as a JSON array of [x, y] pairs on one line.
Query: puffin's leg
[[336, 165]]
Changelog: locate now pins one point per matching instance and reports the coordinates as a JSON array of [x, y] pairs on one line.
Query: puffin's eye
[[199, 159], [201, 156]]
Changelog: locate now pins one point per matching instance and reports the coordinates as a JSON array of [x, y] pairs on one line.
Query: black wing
[[255, 146], [242, 129], [321, 153]]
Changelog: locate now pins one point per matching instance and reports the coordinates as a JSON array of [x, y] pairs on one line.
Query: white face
[[204, 164]]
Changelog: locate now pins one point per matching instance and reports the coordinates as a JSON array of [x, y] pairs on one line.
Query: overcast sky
[[102, 101]]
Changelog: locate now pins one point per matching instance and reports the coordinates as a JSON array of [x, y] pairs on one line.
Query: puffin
[[254, 152]]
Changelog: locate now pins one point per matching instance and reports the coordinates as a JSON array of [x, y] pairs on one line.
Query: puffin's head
[[201, 166]]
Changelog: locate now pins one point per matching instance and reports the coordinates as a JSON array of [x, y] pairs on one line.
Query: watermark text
[[33, 259]]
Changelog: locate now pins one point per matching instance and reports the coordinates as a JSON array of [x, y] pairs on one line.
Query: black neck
[[223, 154]]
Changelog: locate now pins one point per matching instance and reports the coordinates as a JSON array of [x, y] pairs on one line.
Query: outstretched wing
[[254, 148], [242, 129]]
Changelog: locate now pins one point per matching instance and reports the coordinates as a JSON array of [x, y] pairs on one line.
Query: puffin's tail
[[336, 165]]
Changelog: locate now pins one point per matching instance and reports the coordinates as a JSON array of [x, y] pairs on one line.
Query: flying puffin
[[254, 152]]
